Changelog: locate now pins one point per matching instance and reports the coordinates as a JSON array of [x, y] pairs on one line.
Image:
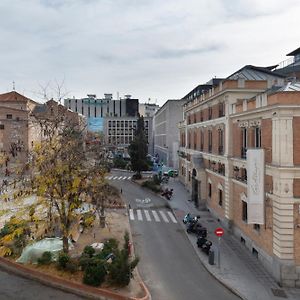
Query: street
[[14, 287], [169, 265]]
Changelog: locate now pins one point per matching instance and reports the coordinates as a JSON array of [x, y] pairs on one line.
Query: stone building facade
[[251, 111]]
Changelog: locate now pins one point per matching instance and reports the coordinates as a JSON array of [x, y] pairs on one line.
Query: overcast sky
[[158, 49]]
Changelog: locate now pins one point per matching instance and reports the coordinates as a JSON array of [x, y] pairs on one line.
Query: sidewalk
[[239, 270]]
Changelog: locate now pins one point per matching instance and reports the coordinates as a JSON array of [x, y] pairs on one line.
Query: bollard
[[211, 257]]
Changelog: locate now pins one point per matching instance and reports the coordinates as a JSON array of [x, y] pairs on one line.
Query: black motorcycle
[[201, 241], [206, 247], [197, 228]]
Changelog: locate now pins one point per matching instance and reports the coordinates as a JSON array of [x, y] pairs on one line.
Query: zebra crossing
[[114, 177], [118, 177], [151, 215]]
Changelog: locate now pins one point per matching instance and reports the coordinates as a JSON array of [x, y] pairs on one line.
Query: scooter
[[187, 218]]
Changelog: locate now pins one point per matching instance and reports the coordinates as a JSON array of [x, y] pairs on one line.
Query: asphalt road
[[17, 288], [169, 265]]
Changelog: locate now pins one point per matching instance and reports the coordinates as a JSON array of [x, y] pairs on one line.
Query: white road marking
[[156, 217], [115, 178], [172, 217], [139, 215], [164, 216], [147, 215], [131, 215]]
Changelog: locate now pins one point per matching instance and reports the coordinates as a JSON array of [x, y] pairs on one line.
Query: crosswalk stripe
[[115, 177], [110, 177], [147, 215], [172, 217], [164, 216], [156, 217], [139, 215], [131, 215], [121, 177]]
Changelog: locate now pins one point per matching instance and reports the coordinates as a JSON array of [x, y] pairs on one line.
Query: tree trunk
[[102, 217], [65, 244]]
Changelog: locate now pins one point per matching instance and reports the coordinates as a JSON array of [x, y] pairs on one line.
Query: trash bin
[[211, 257]]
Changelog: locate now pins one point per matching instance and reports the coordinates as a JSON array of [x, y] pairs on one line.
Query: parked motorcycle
[[187, 218], [197, 228], [167, 193], [201, 241], [206, 247]]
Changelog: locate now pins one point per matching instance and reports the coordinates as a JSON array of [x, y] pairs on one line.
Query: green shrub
[[89, 250], [84, 261], [119, 163], [71, 266], [120, 270], [45, 259], [95, 273], [151, 185], [156, 179], [63, 259]]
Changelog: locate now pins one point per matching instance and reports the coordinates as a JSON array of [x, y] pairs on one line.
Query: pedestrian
[[121, 191]]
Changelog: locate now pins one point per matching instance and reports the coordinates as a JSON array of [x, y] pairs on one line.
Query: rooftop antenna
[[14, 86]]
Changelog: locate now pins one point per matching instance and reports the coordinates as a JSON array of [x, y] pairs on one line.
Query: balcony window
[[201, 116]]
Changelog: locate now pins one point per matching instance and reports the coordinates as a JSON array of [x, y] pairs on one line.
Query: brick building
[[240, 156], [16, 128]]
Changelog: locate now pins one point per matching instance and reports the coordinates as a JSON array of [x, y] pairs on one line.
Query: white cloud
[[148, 48]]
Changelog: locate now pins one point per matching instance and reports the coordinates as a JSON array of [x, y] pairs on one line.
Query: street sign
[[219, 231]]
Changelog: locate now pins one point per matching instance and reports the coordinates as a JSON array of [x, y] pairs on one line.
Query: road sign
[[219, 231]]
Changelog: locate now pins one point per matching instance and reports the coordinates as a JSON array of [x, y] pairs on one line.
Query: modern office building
[[116, 119], [239, 156], [148, 109], [166, 132]]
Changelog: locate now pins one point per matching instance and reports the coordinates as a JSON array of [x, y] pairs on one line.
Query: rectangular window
[[257, 137], [201, 116], [209, 141], [220, 197], [9, 116], [76, 108], [244, 211], [209, 190], [82, 110], [95, 112], [221, 109], [221, 139], [256, 227], [201, 140], [1, 126], [209, 113], [89, 111], [244, 143]]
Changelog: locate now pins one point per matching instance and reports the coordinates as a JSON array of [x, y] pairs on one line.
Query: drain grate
[[279, 293]]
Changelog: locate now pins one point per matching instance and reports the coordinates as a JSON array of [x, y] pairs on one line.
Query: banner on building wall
[[255, 186], [95, 124]]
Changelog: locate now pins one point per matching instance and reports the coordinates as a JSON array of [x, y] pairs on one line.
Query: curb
[[67, 285]]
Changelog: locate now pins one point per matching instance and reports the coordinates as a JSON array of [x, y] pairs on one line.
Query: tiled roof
[[13, 96]]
